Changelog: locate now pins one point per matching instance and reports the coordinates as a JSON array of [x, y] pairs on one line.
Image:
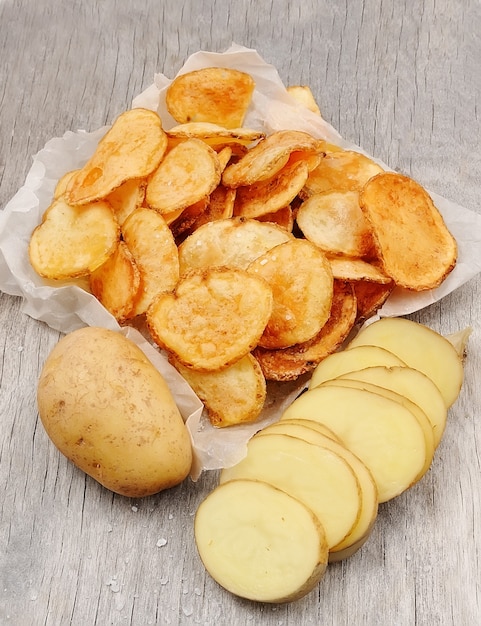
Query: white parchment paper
[[67, 305]]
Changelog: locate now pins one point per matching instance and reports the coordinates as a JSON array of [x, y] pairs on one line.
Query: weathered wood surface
[[400, 79]]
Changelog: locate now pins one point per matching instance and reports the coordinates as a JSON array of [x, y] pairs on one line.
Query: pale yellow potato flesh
[[317, 426], [318, 477], [369, 503], [411, 406], [383, 433], [419, 347], [413, 385], [339, 363], [259, 542]]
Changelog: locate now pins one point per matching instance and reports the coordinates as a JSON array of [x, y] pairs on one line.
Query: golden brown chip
[[268, 157], [127, 198], [301, 280], [232, 242], [62, 184], [132, 148], [116, 283], [273, 193], [213, 94], [224, 155], [243, 383], [181, 226], [335, 222], [283, 217], [220, 206], [415, 246], [215, 135], [213, 318], [187, 174], [303, 95], [290, 363], [152, 245], [357, 269], [370, 297], [343, 170], [73, 241]]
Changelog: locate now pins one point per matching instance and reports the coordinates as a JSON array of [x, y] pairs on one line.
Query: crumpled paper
[[67, 305]]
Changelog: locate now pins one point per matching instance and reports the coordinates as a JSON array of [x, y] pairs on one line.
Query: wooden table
[[402, 80]]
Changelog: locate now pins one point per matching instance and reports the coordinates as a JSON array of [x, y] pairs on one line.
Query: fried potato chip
[[220, 206], [214, 317], [273, 193], [243, 383], [343, 170], [224, 155], [126, 198], [73, 241], [301, 280], [215, 135], [356, 269], [283, 217], [62, 184], [290, 363], [268, 157], [132, 148], [303, 95], [181, 226], [213, 94], [334, 221], [116, 283], [370, 297], [415, 246], [187, 174], [232, 242], [152, 245]]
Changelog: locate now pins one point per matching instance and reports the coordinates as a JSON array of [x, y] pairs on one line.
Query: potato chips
[[248, 257]]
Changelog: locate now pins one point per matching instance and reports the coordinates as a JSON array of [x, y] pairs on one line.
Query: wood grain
[[402, 80]]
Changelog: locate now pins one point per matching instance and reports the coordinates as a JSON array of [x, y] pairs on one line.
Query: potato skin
[[108, 409]]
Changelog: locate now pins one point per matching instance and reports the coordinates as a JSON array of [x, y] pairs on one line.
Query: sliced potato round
[[340, 363], [72, 241], [214, 134], [318, 477], [187, 174], [213, 318], [242, 383], [126, 198], [232, 242], [259, 542], [419, 347], [213, 94], [317, 426], [132, 148], [116, 283], [301, 281], [411, 384], [383, 433], [334, 221], [413, 242], [152, 245], [343, 170]]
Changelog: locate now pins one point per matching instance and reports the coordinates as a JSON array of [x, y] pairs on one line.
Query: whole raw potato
[[109, 410]]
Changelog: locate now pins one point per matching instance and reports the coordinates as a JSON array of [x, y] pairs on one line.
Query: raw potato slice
[[152, 245], [303, 95], [73, 241], [213, 94], [260, 543], [116, 283], [420, 415], [415, 246], [268, 157], [318, 477], [383, 433], [335, 222], [290, 363], [126, 198], [213, 318], [340, 363], [411, 384], [243, 383], [232, 242], [215, 135], [187, 174], [317, 426], [272, 194], [419, 347], [301, 281], [132, 148], [344, 170], [369, 504]]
